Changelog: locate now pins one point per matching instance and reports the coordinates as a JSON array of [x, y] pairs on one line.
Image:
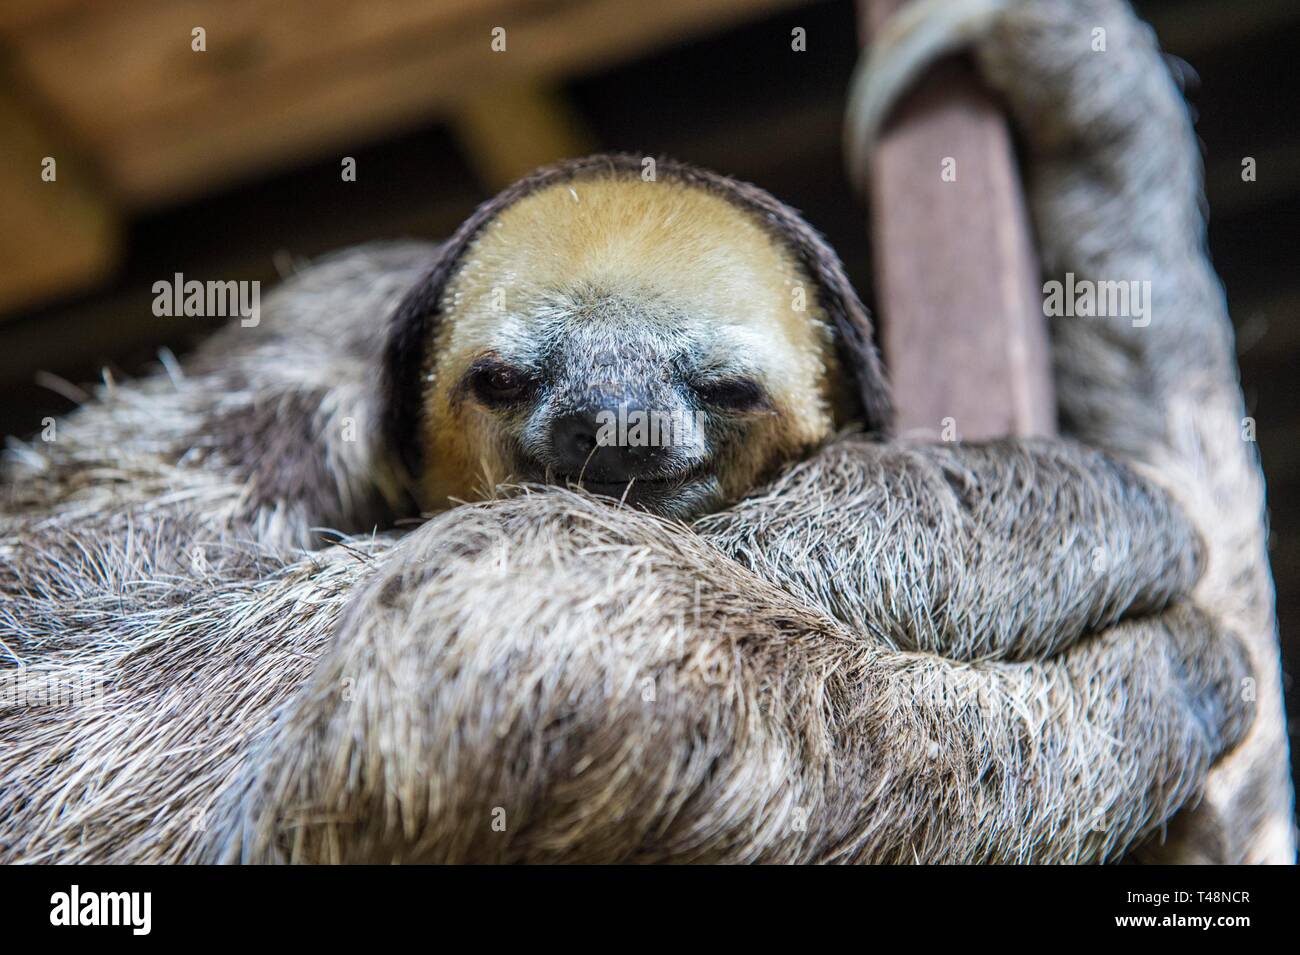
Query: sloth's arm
[[548, 679], [1115, 186], [1006, 550], [600, 684]]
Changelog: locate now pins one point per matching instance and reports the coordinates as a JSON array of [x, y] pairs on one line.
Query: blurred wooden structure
[[119, 92], [957, 295]]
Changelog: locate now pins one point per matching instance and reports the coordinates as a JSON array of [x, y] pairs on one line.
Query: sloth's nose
[[592, 445]]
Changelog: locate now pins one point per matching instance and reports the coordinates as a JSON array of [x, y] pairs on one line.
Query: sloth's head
[[667, 342]]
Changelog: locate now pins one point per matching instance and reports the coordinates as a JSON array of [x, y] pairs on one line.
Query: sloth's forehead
[[658, 268], [578, 337]]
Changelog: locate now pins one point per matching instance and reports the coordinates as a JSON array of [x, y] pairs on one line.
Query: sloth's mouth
[[678, 494], [655, 483], [633, 490]]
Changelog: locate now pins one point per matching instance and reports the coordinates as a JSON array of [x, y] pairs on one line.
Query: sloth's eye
[[733, 394], [496, 384], [503, 381]]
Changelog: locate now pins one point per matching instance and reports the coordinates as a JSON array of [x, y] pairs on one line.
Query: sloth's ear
[[406, 360]]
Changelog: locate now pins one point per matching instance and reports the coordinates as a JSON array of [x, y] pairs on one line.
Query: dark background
[[739, 101]]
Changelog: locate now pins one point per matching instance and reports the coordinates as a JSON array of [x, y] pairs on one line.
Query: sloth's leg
[[267, 430], [622, 645], [1116, 193], [142, 661], [550, 679], [1006, 550]]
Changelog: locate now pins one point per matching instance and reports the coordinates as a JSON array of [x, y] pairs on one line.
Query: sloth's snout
[[607, 445]]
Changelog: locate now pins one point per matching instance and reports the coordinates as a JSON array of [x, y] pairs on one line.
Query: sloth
[[582, 308], [889, 653], [668, 341]]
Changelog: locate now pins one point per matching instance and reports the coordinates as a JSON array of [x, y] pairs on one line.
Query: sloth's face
[[624, 405], [646, 341]]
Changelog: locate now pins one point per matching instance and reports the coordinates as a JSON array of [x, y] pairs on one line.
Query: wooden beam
[[60, 234], [510, 130], [957, 281], [285, 80]]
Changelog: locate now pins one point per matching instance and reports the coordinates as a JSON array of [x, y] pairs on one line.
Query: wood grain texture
[[508, 131], [963, 331], [59, 236], [282, 81]]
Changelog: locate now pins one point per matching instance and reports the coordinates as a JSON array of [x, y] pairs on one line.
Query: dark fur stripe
[[415, 323]]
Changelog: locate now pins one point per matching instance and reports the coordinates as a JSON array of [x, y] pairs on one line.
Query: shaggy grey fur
[[1007, 550], [1116, 193], [609, 686], [612, 689]]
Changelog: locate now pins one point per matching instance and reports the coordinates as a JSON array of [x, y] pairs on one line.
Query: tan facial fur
[[666, 257]]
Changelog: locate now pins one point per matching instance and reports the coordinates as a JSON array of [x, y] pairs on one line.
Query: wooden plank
[[117, 65], [279, 82], [59, 236], [957, 282], [20, 14], [509, 131]]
